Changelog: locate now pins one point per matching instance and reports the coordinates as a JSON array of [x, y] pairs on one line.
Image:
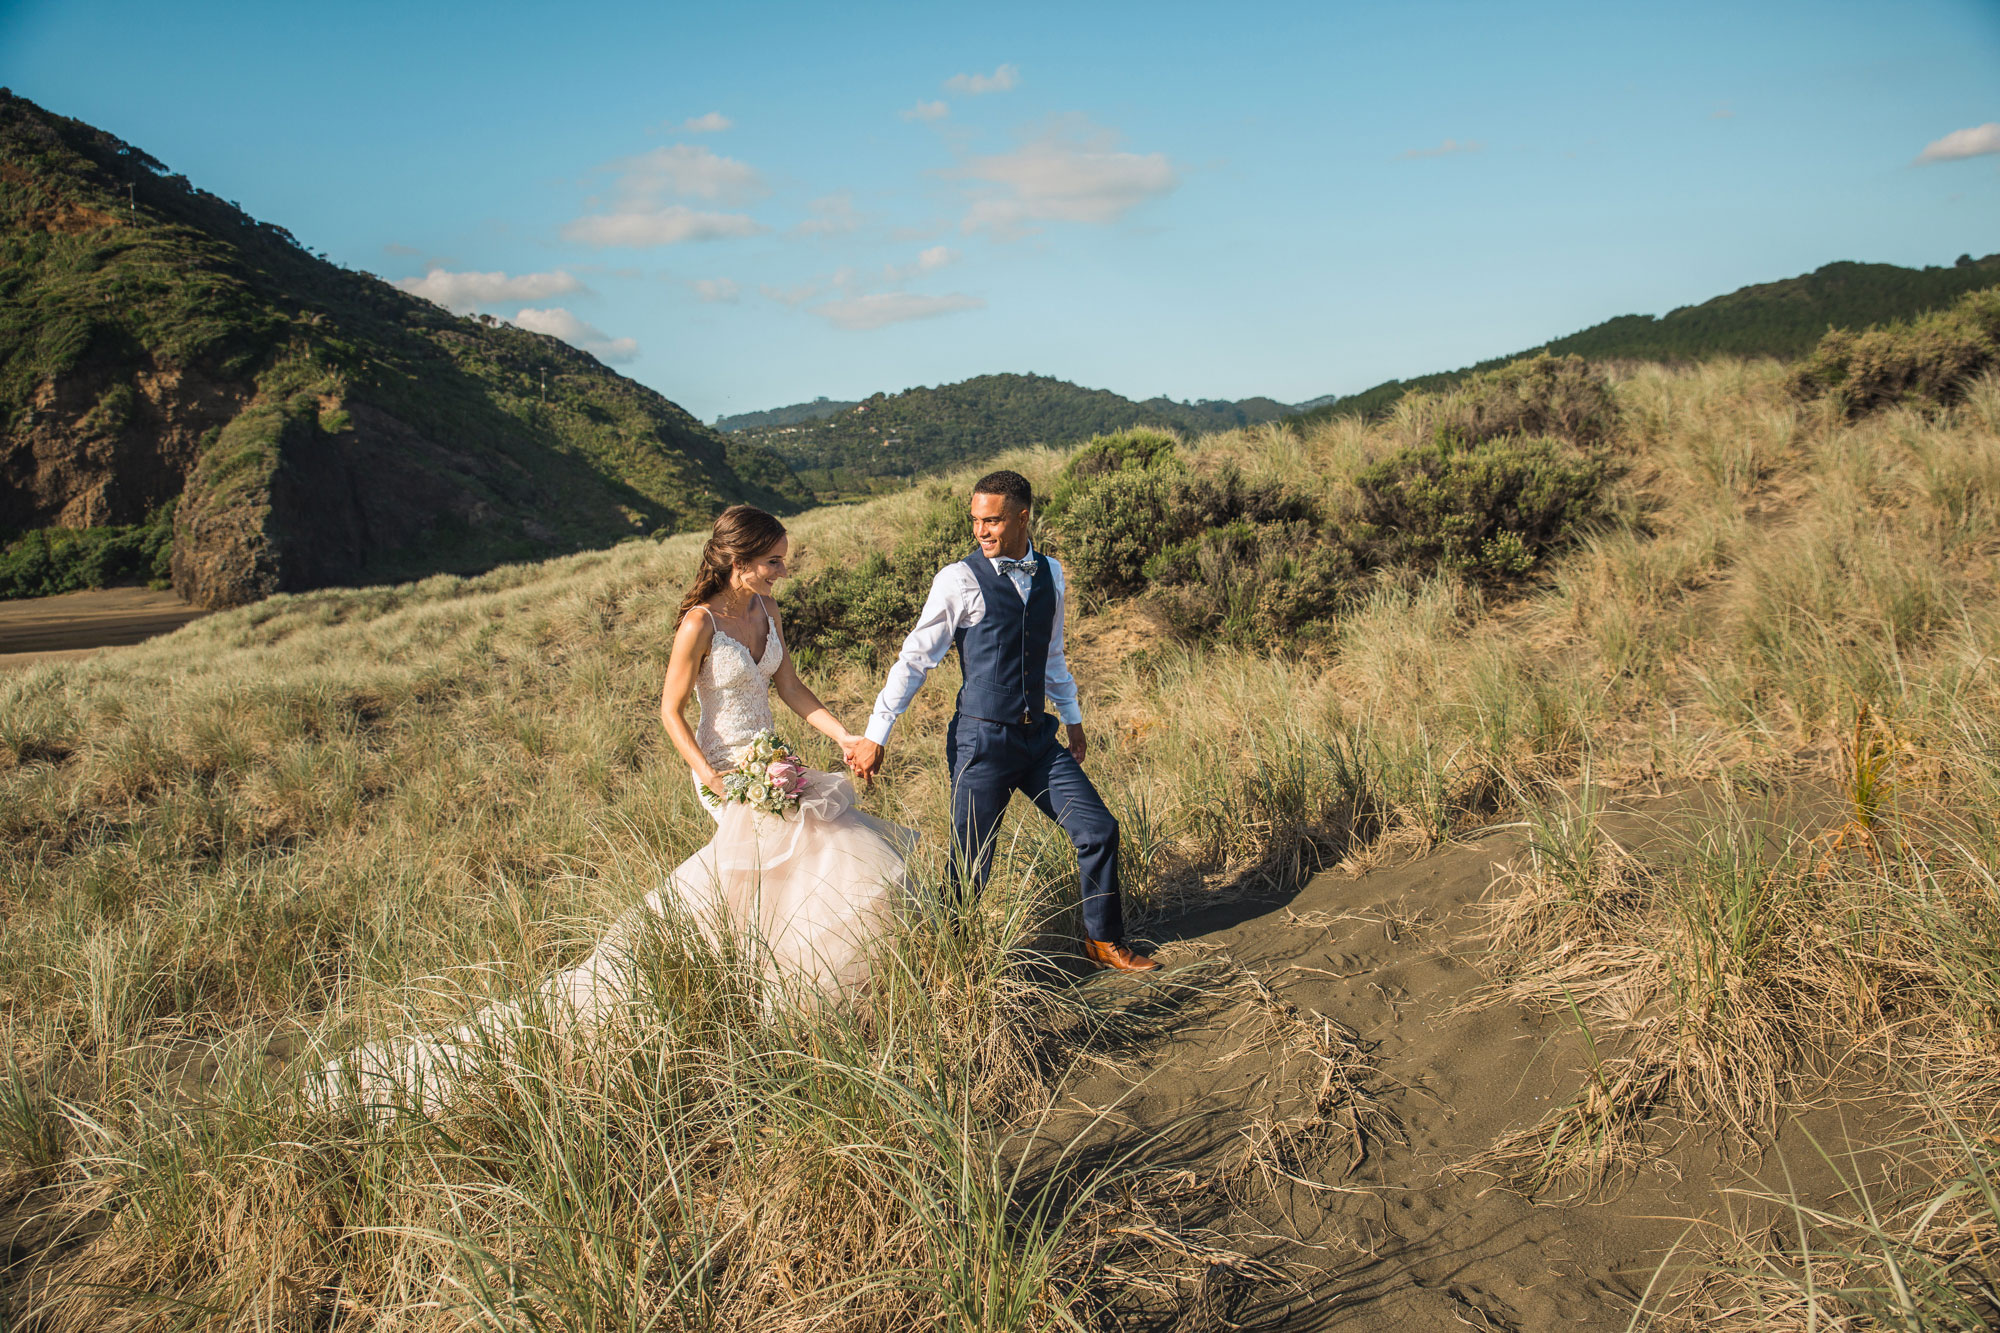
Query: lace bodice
[[735, 693]]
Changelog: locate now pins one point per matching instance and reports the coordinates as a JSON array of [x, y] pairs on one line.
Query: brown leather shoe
[[1116, 957]]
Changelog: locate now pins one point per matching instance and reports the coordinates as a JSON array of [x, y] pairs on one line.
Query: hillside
[[1783, 319], [1569, 952], [308, 424], [878, 444], [819, 409]]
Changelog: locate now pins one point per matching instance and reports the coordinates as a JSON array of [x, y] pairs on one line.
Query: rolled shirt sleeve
[[923, 648], [1058, 683]]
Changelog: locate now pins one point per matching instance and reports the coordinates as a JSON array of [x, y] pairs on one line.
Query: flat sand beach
[[75, 624]]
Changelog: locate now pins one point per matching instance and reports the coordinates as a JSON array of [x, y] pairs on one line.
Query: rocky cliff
[[313, 424]]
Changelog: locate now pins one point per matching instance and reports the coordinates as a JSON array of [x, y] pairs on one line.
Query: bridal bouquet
[[767, 776]]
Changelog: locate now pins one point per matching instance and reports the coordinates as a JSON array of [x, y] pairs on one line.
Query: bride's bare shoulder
[[695, 632]]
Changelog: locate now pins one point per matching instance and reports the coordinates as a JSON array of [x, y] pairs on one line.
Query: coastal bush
[[1135, 451], [1248, 583], [310, 815], [1489, 509], [1124, 501], [1562, 396], [1930, 361], [850, 612], [48, 561]]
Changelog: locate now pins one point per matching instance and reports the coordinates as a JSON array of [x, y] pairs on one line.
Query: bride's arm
[[802, 700], [691, 642]]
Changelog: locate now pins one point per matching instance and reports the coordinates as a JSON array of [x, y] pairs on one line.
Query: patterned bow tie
[[1026, 564]]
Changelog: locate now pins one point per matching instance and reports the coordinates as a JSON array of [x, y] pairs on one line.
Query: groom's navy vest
[[1005, 657]]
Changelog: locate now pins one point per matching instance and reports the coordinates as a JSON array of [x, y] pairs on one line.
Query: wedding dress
[[802, 895]]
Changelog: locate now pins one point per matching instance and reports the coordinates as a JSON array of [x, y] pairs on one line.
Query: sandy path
[[1404, 1238], [75, 624]]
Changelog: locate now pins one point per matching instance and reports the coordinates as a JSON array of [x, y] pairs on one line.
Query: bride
[[804, 892], [809, 889]]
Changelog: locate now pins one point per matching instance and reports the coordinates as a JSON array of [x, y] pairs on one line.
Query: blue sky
[[754, 204]]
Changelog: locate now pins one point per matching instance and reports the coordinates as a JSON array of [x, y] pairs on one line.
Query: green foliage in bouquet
[[767, 777]]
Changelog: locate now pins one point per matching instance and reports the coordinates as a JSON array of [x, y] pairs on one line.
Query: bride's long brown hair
[[741, 534]]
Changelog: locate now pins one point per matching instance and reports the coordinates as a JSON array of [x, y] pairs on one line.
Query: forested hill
[[878, 443], [819, 409], [172, 368], [1782, 319]]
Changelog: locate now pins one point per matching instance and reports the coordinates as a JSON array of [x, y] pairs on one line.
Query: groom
[[1003, 607]]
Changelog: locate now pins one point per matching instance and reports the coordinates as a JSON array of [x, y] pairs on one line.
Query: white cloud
[[713, 122], [717, 289], [793, 296], [1073, 173], [1977, 141], [560, 323], [462, 293], [831, 214], [926, 111], [687, 171], [928, 261], [1000, 80], [1445, 149], [876, 310], [640, 215], [673, 224]]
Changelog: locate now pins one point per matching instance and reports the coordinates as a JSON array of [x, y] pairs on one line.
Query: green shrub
[[57, 560], [1928, 361], [111, 413], [1251, 583], [1111, 528], [1138, 450], [1489, 509], [1543, 395], [1123, 499], [853, 611]]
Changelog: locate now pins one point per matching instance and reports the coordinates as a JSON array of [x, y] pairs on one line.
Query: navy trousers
[[990, 761]]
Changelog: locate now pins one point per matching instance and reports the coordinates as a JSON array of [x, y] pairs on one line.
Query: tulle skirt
[[808, 890], [802, 895]]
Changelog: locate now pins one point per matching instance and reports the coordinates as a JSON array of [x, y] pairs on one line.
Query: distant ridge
[[819, 409], [1781, 319], [308, 424], [881, 442]]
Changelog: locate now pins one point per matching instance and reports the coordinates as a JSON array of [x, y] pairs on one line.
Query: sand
[[76, 624], [1387, 1230]]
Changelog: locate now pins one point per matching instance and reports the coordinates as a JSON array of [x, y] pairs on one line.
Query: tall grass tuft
[[349, 814]]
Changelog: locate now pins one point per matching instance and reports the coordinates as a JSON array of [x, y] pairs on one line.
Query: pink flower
[[787, 775]]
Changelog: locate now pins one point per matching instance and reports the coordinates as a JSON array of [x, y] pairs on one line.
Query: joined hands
[[863, 756]]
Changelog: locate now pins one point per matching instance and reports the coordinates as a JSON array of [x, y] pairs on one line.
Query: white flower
[[742, 753]]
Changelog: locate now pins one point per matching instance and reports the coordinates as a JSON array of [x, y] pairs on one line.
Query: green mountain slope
[[819, 409], [1783, 319], [878, 444], [310, 424]]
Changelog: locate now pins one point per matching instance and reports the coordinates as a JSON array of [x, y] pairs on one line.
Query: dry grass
[[355, 811]]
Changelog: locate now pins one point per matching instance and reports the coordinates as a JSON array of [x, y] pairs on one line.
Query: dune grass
[[346, 813]]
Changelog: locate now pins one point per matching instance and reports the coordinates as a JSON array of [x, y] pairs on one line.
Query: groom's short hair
[[1012, 485]]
